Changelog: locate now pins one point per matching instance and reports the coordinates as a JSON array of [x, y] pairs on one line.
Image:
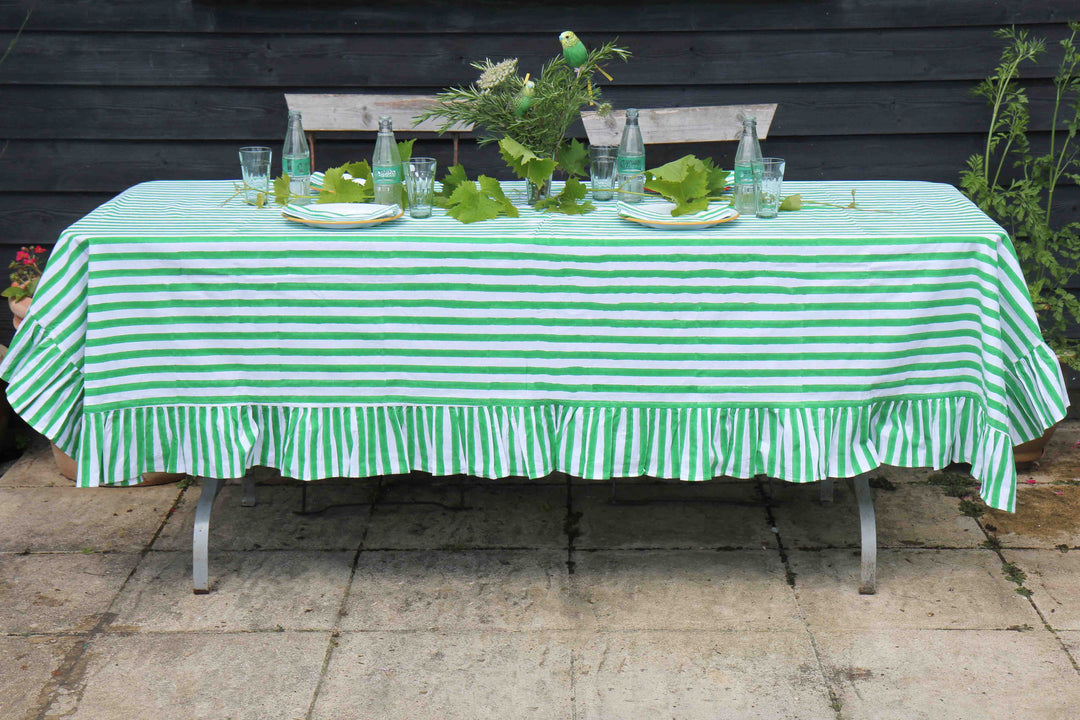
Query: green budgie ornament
[[525, 97], [573, 49]]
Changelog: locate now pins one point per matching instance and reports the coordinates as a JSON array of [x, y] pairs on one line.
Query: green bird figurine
[[525, 97], [573, 49]]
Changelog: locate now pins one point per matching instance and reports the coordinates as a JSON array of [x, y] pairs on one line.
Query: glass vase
[[535, 193]]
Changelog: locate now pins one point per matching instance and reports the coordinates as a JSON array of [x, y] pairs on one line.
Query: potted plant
[[529, 118], [1016, 186], [25, 273]]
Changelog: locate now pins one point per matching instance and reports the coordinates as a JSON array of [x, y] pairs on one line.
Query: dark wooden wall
[[98, 95]]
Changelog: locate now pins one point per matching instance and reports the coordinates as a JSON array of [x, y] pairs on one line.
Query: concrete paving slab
[[686, 590], [959, 675], [915, 589], [36, 468], [909, 516], [462, 590], [721, 514], [414, 517], [336, 518], [240, 676], [29, 662], [719, 676], [250, 591], [1054, 579], [1046, 516], [66, 519], [59, 592], [449, 676], [1071, 640]]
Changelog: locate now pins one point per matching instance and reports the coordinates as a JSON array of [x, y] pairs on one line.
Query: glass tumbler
[[255, 167], [772, 185], [602, 170], [419, 185]]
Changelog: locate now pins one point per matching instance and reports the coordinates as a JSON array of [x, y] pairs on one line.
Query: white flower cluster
[[493, 75]]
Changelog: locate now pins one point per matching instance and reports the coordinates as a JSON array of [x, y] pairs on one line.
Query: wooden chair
[[357, 112], [714, 123]]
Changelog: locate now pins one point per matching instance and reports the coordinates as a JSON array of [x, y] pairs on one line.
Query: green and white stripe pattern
[[171, 332]]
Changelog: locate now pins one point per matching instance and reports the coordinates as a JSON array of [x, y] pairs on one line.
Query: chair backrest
[[358, 112], [713, 123]]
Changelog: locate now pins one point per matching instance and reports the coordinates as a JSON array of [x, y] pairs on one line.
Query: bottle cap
[[631, 113]]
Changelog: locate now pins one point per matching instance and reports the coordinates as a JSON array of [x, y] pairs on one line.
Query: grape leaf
[[405, 149], [716, 177], [494, 191], [525, 163], [281, 190], [469, 205], [684, 182], [455, 176], [792, 202], [573, 158], [336, 188], [566, 202]]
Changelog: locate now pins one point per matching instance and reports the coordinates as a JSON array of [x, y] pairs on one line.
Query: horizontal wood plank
[[111, 166], [340, 112], [482, 16], [366, 63], [679, 125], [137, 113]]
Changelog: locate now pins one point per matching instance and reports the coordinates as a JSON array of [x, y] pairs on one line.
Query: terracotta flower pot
[[67, 467], [1032, 450], [64, 462], [19, 310]]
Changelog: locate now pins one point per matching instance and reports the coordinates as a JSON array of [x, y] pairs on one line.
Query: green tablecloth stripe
[[172, 332]]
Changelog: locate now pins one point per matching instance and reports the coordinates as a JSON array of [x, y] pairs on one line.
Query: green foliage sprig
[[1016, 186], [500, 104]]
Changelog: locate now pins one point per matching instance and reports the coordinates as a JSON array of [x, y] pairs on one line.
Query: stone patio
[[411, 598]]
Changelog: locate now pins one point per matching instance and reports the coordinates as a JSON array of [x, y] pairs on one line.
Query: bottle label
[[386, 174], [631, 164], [744, 175], [295, 167]]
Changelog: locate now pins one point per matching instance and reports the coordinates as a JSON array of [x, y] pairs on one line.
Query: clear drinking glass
[[772, 185], [602, 170], [255, 167], [419, 185]]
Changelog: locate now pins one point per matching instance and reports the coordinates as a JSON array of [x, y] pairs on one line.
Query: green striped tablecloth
[[174, 332]]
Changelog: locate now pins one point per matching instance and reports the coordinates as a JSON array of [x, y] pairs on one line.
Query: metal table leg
[[248, 498], [868, 525], [200, 542], [826, 491]]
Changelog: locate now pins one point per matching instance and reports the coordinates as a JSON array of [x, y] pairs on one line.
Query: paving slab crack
[[766, 498], [342, 610]]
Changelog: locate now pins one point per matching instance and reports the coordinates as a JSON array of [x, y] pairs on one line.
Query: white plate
[[658, 215], [342, 215]]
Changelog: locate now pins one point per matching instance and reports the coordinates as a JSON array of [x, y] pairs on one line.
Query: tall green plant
[[1016, 186]]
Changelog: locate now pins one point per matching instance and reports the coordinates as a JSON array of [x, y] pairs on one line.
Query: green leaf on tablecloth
[[469, 204], [405, 149], [684, 182], [281, 190], [792, 202], [494, 191], [566, 202], [351, 182], [573, 158], [455, 176], [526, 164]]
